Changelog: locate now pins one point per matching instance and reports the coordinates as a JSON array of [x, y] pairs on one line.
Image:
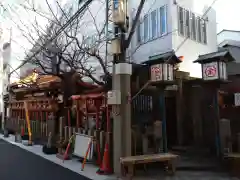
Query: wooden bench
[[128, 163], [235, 162]]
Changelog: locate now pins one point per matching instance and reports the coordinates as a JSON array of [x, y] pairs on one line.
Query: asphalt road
[[18, 164]]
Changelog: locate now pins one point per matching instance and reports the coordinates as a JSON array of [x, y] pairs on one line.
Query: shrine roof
[[220, 55], [37, 82], [167, 57]]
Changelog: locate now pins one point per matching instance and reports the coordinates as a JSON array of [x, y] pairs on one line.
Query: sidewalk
[[73, 165], [90, 170]]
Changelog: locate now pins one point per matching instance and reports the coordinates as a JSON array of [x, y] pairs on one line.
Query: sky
[[227, 15], [227, 11], [17, 22]]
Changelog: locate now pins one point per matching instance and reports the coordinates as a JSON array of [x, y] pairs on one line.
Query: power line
[[86, 4]]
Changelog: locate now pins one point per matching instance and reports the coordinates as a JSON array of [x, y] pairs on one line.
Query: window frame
[[138, 32], [199, 29], [193, 27], [154, 35], [161, 33], [146, 27], [180, 15], [187, 23], [142, 30], [204, 31]]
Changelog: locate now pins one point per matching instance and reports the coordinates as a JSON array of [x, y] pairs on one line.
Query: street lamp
[[162, 75], [214, 73]]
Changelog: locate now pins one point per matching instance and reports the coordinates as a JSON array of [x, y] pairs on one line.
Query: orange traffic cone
[[105, 166], [98, 154], [22, 131]]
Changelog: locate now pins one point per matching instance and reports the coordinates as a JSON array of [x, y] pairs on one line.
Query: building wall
[[172, 39], [228, 35], [6, 66], [151, 45]]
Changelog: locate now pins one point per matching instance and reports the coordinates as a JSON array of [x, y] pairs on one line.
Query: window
[[163, 20], [146, 32], [199, 33], [193, 26], [180, 21], [142, 31], [204, 32], [187, 23], [139, 32], [154, 24]]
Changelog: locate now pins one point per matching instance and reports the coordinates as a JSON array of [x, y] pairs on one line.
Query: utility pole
[[122, 121], [122, 70], [122, 84]]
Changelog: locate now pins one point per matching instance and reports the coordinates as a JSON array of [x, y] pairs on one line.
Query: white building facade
[[173, 25]]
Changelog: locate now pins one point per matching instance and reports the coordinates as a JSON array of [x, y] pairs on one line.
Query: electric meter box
[[114, 97], [119, 11], [116, 46]]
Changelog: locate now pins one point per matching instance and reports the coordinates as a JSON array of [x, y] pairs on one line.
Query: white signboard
[[210, 71], [162, 72], [237, 99], [114, 97], [156, 72], [81, 146], [214, 71]]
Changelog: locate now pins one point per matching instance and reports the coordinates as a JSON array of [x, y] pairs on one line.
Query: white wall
[[158, 45], [191, 49], [228, 35]]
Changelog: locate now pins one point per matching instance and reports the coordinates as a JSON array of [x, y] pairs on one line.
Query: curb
[[66, 164]]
